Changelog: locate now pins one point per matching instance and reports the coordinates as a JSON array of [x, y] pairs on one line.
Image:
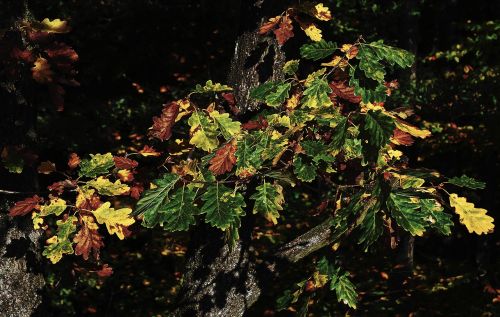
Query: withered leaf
[[23, 207], [224, 159], [162, 125]]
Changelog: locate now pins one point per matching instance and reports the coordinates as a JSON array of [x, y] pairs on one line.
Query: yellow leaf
[[105, 187], [322, 13], [56, 206], [414, 131], [54, 26], [84, 194], [115, 220], [475, 219], [313, 32], [41, 72], [336, 62], [292, 102], [37, 220], [319, 279], [395, 154]]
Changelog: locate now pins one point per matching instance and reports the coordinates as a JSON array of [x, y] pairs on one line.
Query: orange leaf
[[24, 207], [285, 30], [224, 159], [124, 163], [46, 167], [162, 125], [401, 138], [269, 25], [74, 160], [88, 238], [41, 71], [343, 91], [149, 151], [105, 271]]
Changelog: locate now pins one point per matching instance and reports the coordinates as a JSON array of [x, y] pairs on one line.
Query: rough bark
[[19, 258]]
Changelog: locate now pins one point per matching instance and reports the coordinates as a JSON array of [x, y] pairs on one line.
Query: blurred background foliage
[[136, 55]]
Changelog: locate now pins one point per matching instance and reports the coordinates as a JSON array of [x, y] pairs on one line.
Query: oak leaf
[[124, 163], [475, 219], [343, 91], [162, 125], [73, 161], [224, 159], [23, 207], [115, 220], [41, 71], [285, 30], [88, 238], [269, 25]]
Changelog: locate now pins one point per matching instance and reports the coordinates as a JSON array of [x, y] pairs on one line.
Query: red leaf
[[62, 51], [74, 160], [285, 30], [46, 167], [162, 125], [124, 163], [269, 25], [401, 138], [105, 271], [88, 238], [136, 190], [261, 123], [23, 207], [60, 186], [224, 159], [343, 91]]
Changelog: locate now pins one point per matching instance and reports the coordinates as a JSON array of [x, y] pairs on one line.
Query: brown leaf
[[46, 167], [162, 125], [261, 123], [125, 175], [124, 163], [149, 151], [285, 30], [61, 51], [88, 238], [343, 91], [269, 25], [41, 71], [401, 138], [224, 159], [23, 207], [105, 271], [73, 161], [60, 186], [136, 190]]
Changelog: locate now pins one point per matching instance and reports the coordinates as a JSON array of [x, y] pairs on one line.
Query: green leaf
[[371, 228], [272, 93], [353, 148], [226, 125], [345, 290], [153, 199], [278, 95], [339, 282], [406, 210], [268, 201], [178, 214], [439, 220], [291, 67], [317, 50], [204, 132], [466, 181], [379, 127], [249, 152], [98, 164], [377, 94], [60, 243], [392, 55], [56, 206], [317, 150], [222, 206], [304, 172], [211, 87], [339, 134], [284, 301], [316, 95], [370, 55]]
